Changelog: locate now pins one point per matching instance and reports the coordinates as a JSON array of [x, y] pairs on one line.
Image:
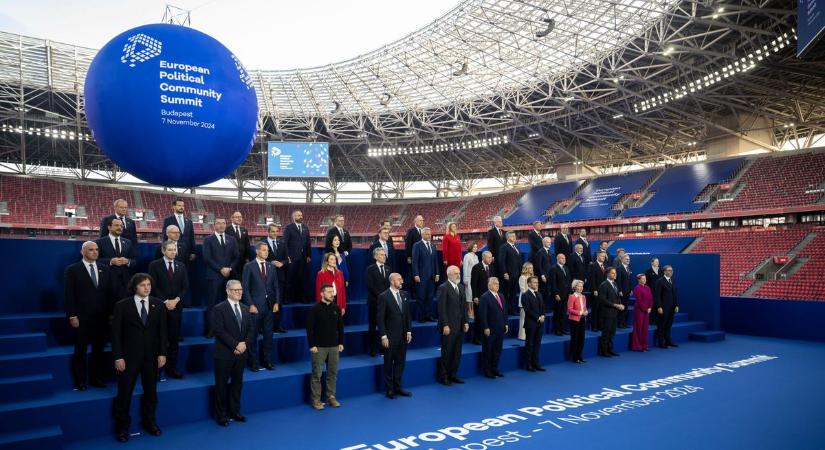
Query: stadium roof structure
[[491, 89]]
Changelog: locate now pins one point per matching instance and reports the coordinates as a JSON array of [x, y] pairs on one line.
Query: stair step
[[22, 343], [707, 336], [44, 438], [26, 387]]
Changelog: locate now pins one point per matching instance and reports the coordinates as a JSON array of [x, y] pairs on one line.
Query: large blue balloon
[[171, 105]]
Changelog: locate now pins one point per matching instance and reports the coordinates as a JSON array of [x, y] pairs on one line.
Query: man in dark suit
[[624, 279], [509, 267], [121, 213], [452, 324], [337, 229], [493, 317], [582, 239], [425, 271], [533, 305], [595, 277], [234, 330], [260, 294], [578, 264], [542, 265], [385, 243], [181, 249], [395, 328], [385, 223], [609, 308], [299, 254], [171, 284], [378, 280], [185, 226], [535, 239], [277, 258], [414, 234], [560, 285], [563, 243], [139, 344], [120, 255], [495, 237], [220, 253], [666, 304], [617, 261], [88, 301], [479, 276], [241, 235], [603, 248]]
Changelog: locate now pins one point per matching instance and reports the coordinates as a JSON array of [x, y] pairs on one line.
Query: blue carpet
[[775, 404]]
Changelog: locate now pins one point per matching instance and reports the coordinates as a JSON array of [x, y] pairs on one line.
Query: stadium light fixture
[[437, 148]]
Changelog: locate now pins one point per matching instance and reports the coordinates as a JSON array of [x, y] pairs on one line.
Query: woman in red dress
[[330, 274], [451, 246], [641, 314]]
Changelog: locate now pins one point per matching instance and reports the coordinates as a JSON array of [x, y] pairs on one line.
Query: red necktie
[[263, 271], [171, 271], [498, 299]]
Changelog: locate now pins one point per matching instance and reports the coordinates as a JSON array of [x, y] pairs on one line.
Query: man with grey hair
[[452, 324], [495, 236], [121, 208], [234, 330], [509, 267], [378, 280], [666, 305], [542, 265], [425, 272], [181, 247], [493, 318]]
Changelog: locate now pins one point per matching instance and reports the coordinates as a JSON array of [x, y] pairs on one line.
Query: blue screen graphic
[[811, 18], [298, 159]]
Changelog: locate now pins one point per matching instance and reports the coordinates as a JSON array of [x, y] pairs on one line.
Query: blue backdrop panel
[[697, 281], [597, 198], [655, 246], [789, 319], [534, 202], [676, 189]]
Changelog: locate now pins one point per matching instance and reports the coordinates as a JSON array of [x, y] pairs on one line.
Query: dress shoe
[[238, 417], [403, 393], [476, 342], [604, 354], [612, 353], [80, 386], [583, 361], [672, 344], [373, 354], [539, 369], [254, 368], [566, 333], [151, 428], [445, 381], [97, 384], [390, 395], [122, 436], [530, 369], [489, 375], [223, 421], [333, 402], [174, 374], [268, 366], [578, 361], [457, 380], [280, 330], [662, 346], [499, 374], [317, 405]]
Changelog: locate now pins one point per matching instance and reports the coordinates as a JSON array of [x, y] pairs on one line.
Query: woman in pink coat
[[641, 314], [576, 312]]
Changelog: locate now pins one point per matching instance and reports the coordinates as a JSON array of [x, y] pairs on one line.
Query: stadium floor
[[772, 404]]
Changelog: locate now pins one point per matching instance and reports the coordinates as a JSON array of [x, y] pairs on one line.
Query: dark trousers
[[478, 333], [512, 296], [595, 312], [228, 383], [532, 343], [577, 339], [622, 318], [450, 353], [372, 325], [215, 293], [295, 280], [608, 331], [425, 290], [148, 371], [174, 319], [395, 357], [491, 352], [559, 313], [92, 330], [264, 325], [664, 322]]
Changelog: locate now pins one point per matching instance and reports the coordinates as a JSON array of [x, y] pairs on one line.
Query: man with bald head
[[120, 254], [298, 253], [452, 324], [88, 304], [395, 328], [121, 213]]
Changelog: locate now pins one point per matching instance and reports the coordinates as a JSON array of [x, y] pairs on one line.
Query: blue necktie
[[143, 314], [93, 273]]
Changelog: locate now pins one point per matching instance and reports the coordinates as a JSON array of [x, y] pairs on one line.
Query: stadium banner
[[298, 159]]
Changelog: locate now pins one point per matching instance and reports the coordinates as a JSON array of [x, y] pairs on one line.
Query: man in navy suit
[[378, 280], [578, 263], [509, 267], [495, 236], [234, 330], [624, 278], [395, 328], [582, 239], [121, 211], [299, 254], [479, 276], [535, 239], [384, 242], [560, 285], [533, 305], [414, 234], [185, 226], [542, 265], [563, 244], [277, 258], [181, 247], [88, 303], [171, 285], [120, 255], [425, 272], [237, 231], [493, 317], [220, 253], [666, 305], [260, 293], [610, 305], [337, 229]]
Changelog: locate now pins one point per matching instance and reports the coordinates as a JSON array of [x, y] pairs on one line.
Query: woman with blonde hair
[[469, 261], [576, 312], [526, 272], [451, 246]]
